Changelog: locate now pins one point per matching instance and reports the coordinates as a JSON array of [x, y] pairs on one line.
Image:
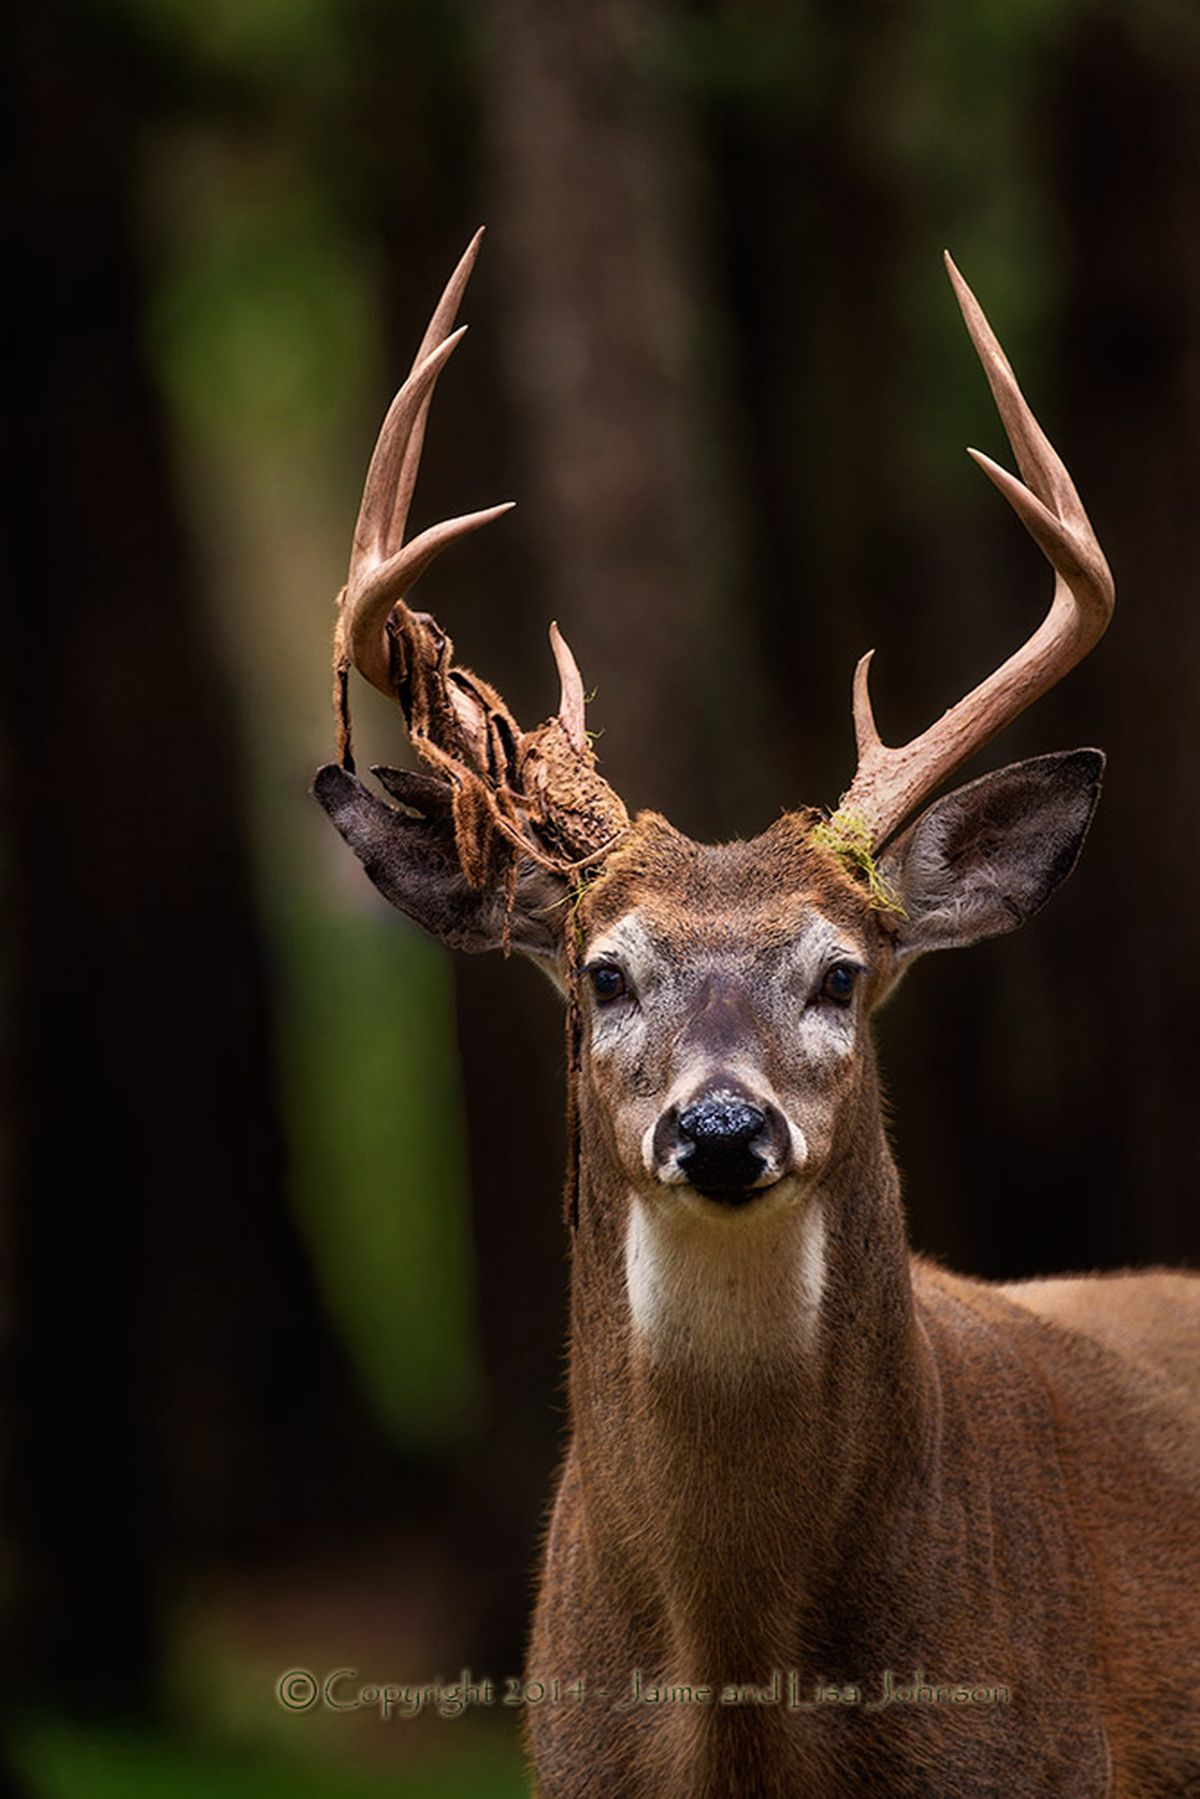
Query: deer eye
[[608, 983], [839, 983]]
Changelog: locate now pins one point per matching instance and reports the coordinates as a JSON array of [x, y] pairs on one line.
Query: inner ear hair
[[981, 860], [409, 850]]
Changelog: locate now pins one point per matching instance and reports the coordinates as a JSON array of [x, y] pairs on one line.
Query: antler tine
[[1037, 459], [570, 705], [890, 784], [370, 604], [438, 329], [382, 566], [392, 475], [384, 509]]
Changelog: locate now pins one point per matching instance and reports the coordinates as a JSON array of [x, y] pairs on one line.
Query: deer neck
[[754, 1411]]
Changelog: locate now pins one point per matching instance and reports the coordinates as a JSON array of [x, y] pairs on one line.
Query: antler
[[532, 793], [890, 784]]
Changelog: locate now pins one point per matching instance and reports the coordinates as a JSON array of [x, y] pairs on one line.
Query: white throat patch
[[725, 1289]]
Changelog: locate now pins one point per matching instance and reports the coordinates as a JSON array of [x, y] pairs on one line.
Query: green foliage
[[377, 1162], [767, 57], [262, 323], [273, 40], [59, 1762]]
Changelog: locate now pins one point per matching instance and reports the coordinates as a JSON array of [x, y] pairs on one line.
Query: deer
[[831, 1519]]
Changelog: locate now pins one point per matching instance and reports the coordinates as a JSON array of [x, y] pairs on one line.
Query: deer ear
[[410, 856], [983, 859]]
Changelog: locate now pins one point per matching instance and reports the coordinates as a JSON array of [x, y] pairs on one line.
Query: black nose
[[720, 1158]]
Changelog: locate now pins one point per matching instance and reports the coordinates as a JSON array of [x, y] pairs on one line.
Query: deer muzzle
[[724, 1143]]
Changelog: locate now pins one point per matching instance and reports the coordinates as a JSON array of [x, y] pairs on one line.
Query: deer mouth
[[734, 1189]]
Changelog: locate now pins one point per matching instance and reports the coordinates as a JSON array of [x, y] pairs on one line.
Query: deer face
[[724, 993]]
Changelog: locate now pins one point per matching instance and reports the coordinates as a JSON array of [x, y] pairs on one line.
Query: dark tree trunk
[[173, 1385], [1126, 144], [613, 364]]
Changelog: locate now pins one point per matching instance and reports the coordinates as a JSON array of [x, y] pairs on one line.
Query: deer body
[[1037, 1468], [832, 1521], [818, 1457]]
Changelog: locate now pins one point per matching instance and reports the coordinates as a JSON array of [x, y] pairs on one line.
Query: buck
[[831, 1520]]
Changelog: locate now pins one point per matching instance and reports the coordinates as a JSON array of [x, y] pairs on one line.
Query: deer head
[[718, 996]]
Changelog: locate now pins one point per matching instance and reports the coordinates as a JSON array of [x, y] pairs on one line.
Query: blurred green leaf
[[262, 321], [266, 37], [60, 1762], [378, 1169]]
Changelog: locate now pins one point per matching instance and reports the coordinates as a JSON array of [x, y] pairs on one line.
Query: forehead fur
[[766, 889]]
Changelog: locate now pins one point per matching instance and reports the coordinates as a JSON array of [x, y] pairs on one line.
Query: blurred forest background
[[283, 1289]]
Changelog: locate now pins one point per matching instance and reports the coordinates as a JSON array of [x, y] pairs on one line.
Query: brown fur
[[989, 1485]]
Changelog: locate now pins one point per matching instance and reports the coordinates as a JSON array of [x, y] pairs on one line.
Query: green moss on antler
[[848, 837]]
